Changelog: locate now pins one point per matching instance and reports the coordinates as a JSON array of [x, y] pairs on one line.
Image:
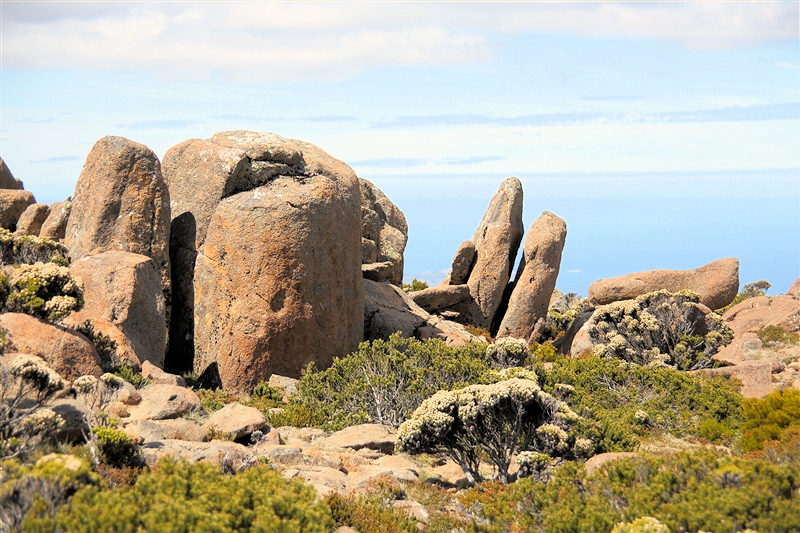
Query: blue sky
[[667, 135]]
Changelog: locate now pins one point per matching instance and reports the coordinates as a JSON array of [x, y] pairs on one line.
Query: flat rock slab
[[170, 429], [237, 420], [371, 436], [160, 402], [156, 375], [596, 462], [217, 451], [756, 376]]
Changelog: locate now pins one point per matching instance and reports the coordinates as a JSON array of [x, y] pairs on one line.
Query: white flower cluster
[[112, 381], [85, 384], [508, 351], [553, 439], [41, 420], [429, 424], [47, 272], [60, 305], [33, 369], [533, 459], [503, 374], [583, 447]]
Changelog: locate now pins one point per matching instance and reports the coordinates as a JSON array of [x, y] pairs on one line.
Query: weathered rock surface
[[267, 246], [388, 309], [756, 376], [462, 264], [121, 203], [7, 179], [170, 429], [125, 289], [55, 226], [748, 317], [156, 375], [435, 299], [717, 283], [496, 242], [284, 384], [237, 420], [384, 234], [371, 436], [160, 402], [536, 279], [794, 289], [12, 204], [219, 452], [76, 416], [596, 462], [67, 352], [31, 220]]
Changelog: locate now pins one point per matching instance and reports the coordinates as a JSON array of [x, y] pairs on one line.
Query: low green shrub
[[116, 448], [775, 336], [216, 399], [43, 290], [415, 285], [383, 382], [105, 347], [199, 498], [369, 514], [127, 372], [626, 401], [688, 491], [769, 417]]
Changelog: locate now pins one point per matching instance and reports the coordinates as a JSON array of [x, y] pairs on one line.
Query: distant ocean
[[619, 223]]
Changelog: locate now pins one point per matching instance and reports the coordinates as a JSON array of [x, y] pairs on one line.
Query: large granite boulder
[[717, 283], [12, 204], [121, 203], [536, 279], [125, 289], [7, 179], [496, 242], [266, 248], [67, 352], [31, 220], [55, 226], [384, 234]]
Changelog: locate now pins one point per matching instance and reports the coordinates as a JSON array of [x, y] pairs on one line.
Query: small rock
[[156, 375], [237, 420], [31, 220], [12, 204], [371, 436], [55, 226], [164, 401], [598, 461], [286, 385]]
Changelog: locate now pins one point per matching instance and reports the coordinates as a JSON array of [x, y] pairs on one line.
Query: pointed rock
[[536, 280], [7, 179], [384, 234]]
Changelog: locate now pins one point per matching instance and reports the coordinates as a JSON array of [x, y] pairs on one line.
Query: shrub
[[127, 372], [105, 347], [495, 420], [560, 317], [750, 290], [415, 285], [116, 448], [383, 382], [28, 249], [214, 400], [26, 387], [369, 514], [688, 491], [775, 336], [508, 352], [769, 417], [659, 328], [645, 524], [181, 497], [620, 401], [43, 290]]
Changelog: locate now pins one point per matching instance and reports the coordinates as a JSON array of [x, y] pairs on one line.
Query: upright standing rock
[[496, 242], [55, 226], [541, 260], [12, 204], [267, 247], [121, 203], [384, 234], [31, 220], [7, 179]]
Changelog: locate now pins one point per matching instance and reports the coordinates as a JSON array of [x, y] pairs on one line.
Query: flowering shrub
[[26, 386], [28, 249], [659, 328], [43, 290], [495, 420], [507, 352]]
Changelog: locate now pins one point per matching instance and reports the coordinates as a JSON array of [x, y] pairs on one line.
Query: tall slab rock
[[496, 241], [121, 203], [55, 226], [31, 220], [125, 289], [384, 233], [7, 179], [266, 248], [717, 283], [536, 280], [12, 204]]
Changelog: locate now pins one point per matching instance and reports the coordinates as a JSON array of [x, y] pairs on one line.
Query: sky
[[665, 134]]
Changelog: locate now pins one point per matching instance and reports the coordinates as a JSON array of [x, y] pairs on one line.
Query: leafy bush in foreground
[[179, 497], [28, 249], [769, 417], [43, 290], [384, 381], [698, 491]]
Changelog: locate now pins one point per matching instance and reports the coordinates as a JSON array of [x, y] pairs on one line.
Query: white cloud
[[255, 41]]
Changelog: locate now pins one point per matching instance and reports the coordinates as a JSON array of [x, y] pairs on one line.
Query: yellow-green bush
[[369, 514], [43, 290], [769, 417], [28, 249], [184, 498]]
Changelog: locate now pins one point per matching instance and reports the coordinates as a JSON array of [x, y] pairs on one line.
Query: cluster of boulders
[[248, 255]]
